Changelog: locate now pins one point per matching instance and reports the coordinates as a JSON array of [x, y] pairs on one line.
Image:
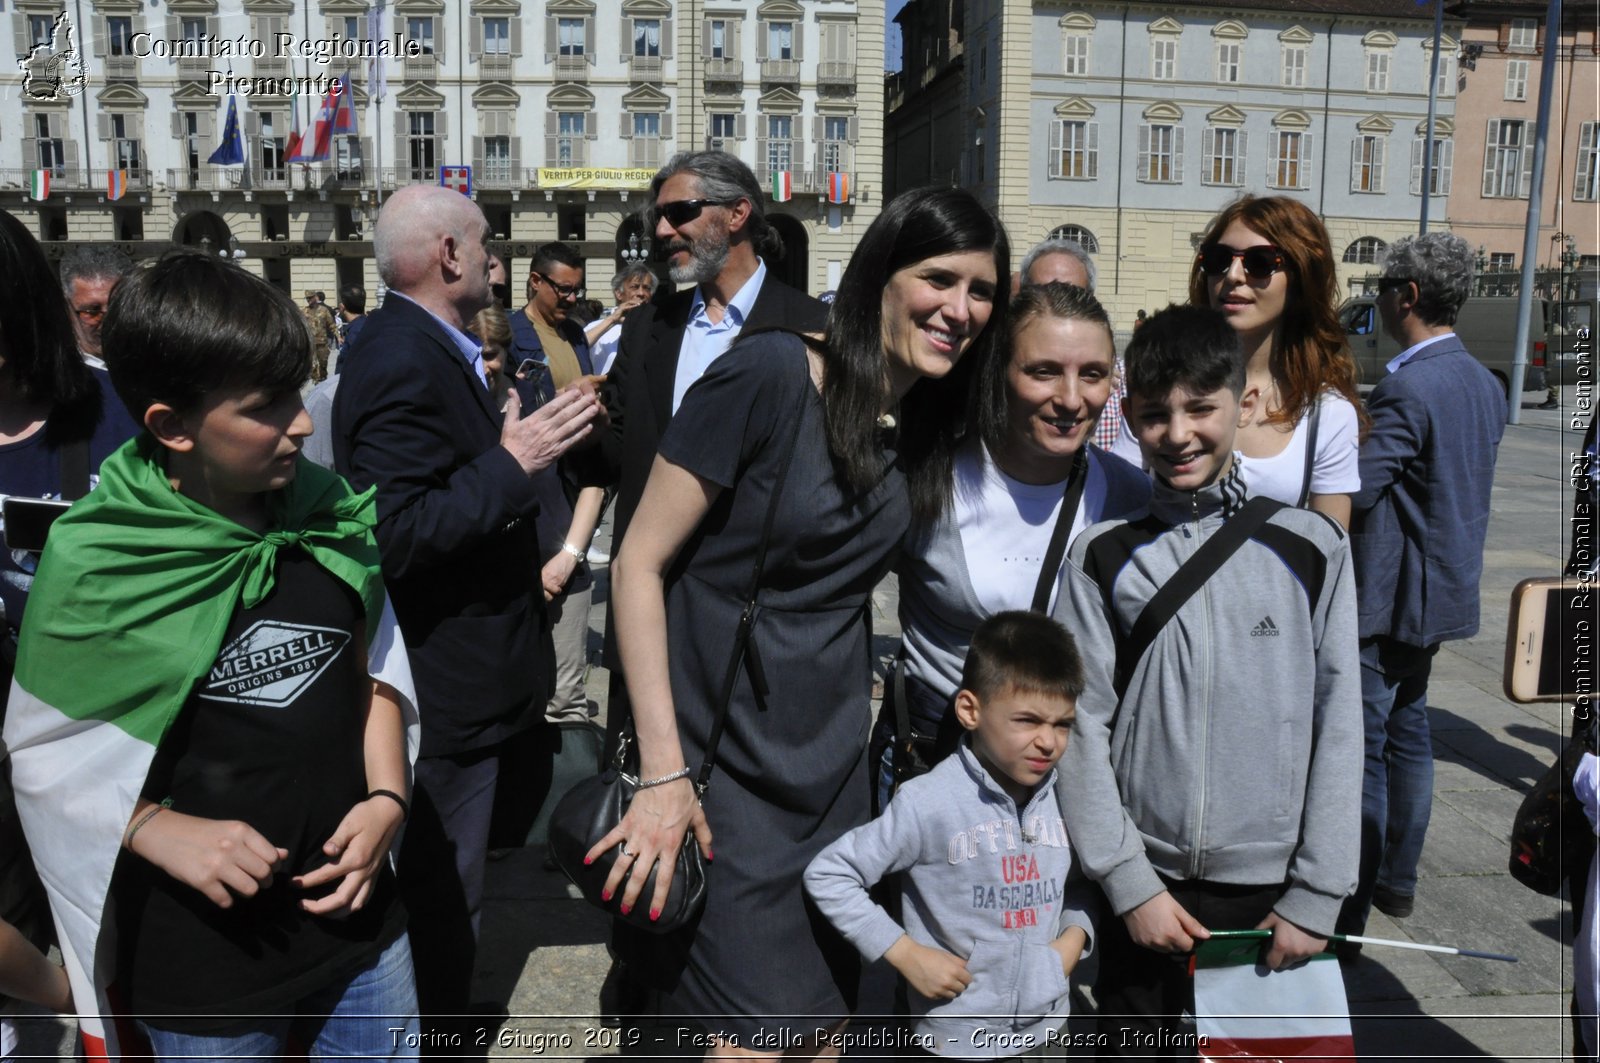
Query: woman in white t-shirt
[[1266, 263], [1023, 472]]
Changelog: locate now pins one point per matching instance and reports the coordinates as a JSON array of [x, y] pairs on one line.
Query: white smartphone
[[1550, 646]]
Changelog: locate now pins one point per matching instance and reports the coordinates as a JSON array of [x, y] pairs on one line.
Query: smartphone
[[28, 520], [528, 367], [1550, 640]]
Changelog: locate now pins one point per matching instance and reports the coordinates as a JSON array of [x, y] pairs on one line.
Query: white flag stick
[[1446, 949]]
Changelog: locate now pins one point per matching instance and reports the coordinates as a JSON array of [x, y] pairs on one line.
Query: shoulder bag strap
[[1049, 574], [1183, 584], [74, 469], [743, 649], [1311, 451]]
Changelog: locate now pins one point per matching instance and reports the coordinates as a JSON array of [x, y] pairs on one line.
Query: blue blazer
[[455, 513], [1422, 512], [525, 344]]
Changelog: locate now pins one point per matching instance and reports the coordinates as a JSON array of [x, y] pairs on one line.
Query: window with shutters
[[497, 37], [780, 142], [571, 139], [1291, 159], [720, 39], [1586, 179], [1507, 160], [1164, 58], [644, 132], [1228, 62], [1523, 34], [780, 40], [1379, 47], [1075, 54], [347, 158], [1074, 151], [1161, 153], [269, 146], [1443, 163], [1446, 85], [421, 145], [119, 35], [51, 152], [1366, 163], [717, 39], [723, 131], [189, 143], [125, 142], [497, 160], [1222, 152], [838, 64], [1295, 57], [1365, 251], [571, 34], [1516, 79], [41, 29], [833, 145], [647, 38]]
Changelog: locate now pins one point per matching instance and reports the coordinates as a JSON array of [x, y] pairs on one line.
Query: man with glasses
[[1417, 536], [543, 330], [88, 275]]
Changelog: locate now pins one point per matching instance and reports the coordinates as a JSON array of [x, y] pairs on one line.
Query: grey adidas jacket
[[1236, 756], [983, 881]]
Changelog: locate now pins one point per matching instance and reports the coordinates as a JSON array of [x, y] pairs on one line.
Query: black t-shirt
[[273, 737]]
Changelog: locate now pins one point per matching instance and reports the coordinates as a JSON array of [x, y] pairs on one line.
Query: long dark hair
[[916, 225], [1314, 354], [990, 411], [36, 338]]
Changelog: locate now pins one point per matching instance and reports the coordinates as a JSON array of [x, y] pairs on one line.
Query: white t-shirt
[[1335, 470], [1006, 524]]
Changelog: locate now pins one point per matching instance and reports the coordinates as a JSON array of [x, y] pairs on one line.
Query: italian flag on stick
[[782, 186], [133, 597], [40, 185], [1244, 1011]]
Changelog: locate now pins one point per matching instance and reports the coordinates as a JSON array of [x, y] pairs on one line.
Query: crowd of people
[[323, 668]]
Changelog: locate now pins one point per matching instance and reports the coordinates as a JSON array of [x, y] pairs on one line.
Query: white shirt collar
[[1405, 356]]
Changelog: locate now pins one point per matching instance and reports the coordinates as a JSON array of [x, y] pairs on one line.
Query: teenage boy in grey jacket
[[991, 931], [1220, 789]]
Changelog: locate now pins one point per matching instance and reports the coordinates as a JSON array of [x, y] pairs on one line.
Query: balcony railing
[[122, 67], [725, 70], [837, 74], [645, 68], [780, 71], [270, 67], [571, 68], [193, 69], [495, 66], [421, 68], [73, 179]]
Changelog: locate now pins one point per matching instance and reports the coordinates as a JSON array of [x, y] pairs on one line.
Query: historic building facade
[[562, 110], [1128, 125]]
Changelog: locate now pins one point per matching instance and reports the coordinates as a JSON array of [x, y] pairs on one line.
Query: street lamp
[[1569, 268], [232, 251], [633, 252]]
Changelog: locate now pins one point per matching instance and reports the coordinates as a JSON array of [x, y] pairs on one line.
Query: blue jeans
[[372, 1016], [1397, 783]]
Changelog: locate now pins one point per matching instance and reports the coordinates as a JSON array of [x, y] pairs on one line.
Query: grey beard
[[706, 259]]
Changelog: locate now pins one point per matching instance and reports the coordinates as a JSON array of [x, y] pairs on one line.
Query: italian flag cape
[[135, 591]]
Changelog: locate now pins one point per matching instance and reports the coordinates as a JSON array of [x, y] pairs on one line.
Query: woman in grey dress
[[879, 401]]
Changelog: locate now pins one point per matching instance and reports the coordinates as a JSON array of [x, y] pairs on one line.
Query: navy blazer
[[454, 517], [525, 344], [1422, 513]]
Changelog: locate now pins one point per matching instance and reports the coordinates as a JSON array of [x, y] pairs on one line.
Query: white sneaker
[[597, 556]]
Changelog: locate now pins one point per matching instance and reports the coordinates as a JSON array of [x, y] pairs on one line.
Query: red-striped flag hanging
[[41, 185], [838, 187], [116, 184], [1243, 1010], [782, 186]]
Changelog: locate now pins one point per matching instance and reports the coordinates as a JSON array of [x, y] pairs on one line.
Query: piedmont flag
[[40, 185], [838, 187], [782, 186], [336, 115], [231, 151], [133, 600], [1243, 1010], [116, 184]]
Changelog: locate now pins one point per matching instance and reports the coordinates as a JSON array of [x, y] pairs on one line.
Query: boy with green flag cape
[[212, 721]]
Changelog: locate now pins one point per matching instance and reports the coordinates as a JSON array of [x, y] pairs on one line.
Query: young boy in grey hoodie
[[991, 932], [1214, 782]]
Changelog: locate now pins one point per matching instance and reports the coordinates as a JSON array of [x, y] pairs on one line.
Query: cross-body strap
[[74, 469], [1312, 419], [743, 648], [1182, 585], [1050, 573]]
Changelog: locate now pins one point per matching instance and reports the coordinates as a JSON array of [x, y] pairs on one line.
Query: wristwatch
[[581, 555]]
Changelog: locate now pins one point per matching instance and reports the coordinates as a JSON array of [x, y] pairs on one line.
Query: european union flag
[[231, 151]]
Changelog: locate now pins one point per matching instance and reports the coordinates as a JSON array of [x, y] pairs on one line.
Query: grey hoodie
[[983, 883], [1236, 756]]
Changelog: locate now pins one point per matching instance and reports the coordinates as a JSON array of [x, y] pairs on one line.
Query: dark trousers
[[441, 873], [1142, 994]]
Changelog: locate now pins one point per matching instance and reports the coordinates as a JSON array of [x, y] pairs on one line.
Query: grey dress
[[791, 773]]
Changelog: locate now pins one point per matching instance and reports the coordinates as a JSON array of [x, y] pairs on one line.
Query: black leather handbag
[[594, 807], [1550, 834]]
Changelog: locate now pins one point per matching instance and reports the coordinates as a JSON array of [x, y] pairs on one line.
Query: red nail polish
[[626, 908], [655, 913], [588, 860], [708, 855], [605, 895]]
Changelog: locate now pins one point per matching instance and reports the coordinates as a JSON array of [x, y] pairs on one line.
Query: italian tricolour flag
[[40, 185], [134, 595], [782, 186], [1245, 1011]]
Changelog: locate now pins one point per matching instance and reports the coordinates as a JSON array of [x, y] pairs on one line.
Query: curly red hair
[[1312, 354]]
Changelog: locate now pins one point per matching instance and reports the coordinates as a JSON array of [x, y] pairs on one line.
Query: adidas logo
[[1264, 629]]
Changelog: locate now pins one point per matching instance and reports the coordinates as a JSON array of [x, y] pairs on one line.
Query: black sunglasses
[[1260, 261], [1388, 284], [682, 211]]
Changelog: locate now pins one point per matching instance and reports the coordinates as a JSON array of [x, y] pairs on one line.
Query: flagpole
[[1433, 103], [1356, 939]]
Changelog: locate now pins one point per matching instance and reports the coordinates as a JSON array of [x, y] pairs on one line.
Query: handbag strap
[[1070, 501], [1311, 451], [74, 458], [1183, 584], [743, 648]]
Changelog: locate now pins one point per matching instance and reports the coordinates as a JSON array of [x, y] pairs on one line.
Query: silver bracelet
[[681, 773], [580, 555]]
